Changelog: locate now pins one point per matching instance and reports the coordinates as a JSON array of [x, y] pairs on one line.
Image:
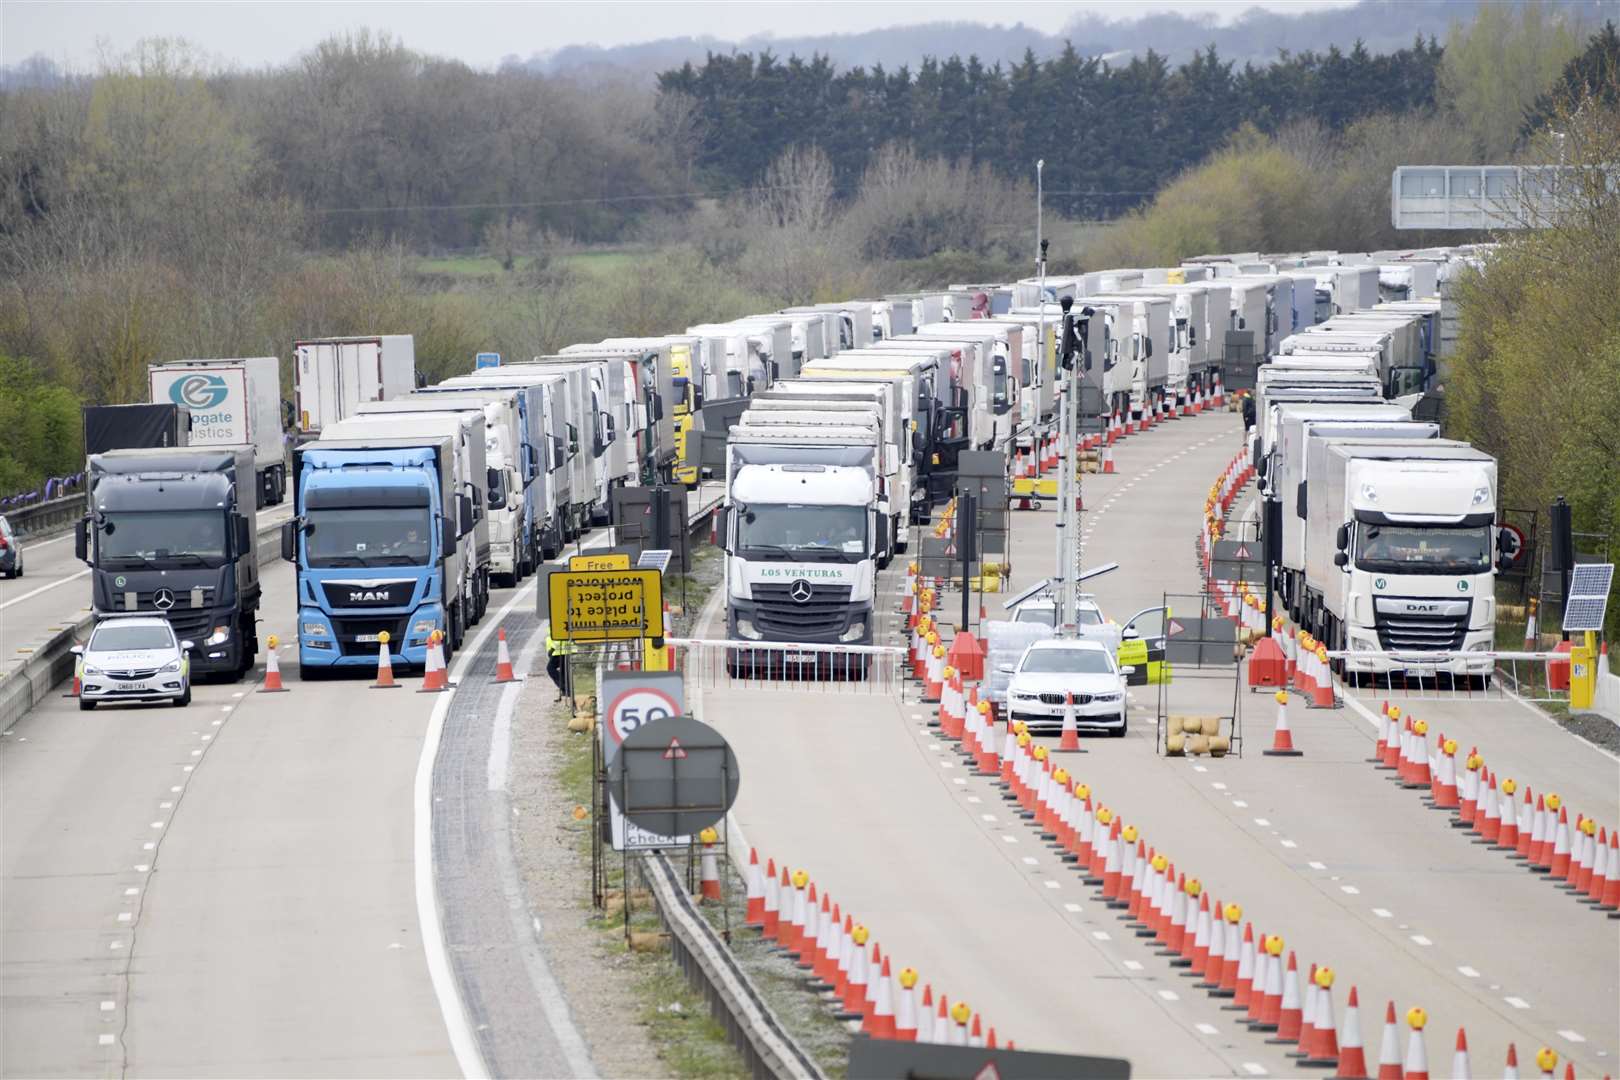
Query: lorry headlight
[[220, 635], [745, 629], [424, 626], [314, 629], [856, 631], [1482, 495], [1363, 645], [1480, 646], [171, 666]]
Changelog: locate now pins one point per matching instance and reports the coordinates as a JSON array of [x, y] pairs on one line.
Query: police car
[[133, 658]]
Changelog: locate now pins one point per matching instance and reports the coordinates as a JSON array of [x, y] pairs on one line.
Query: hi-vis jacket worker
[[557, 662]]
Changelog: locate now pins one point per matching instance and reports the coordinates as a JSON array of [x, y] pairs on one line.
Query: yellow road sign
[[606, 605], [617, 560]]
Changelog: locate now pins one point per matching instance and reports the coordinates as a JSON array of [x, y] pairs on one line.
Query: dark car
[[11, 556]]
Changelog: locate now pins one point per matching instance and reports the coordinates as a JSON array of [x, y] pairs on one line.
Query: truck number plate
[[802, 657], [369, 639]]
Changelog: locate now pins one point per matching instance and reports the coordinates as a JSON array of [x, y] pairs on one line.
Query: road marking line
[[1100, 935], [196, 753], [176, 788], [1169, 995], [1133, 965], [1217, 785], [1262, 822], [987, 817], [1011, 840], [1199, 768], [959, 780], [1254, 1068], [1071, 908], [205, 738], [141, 868], [1317, 865], [947, 764], [157, 824], [148, 846], [226, 708], [1288, 843], [974, 799], [108, 1006], [1050, 884], [1468, 971], [1572, 1036], [125, 916], [1206, 1029], [43, 588], [116, 945], [1517, 1002], [1419, 939], [1030, 860], [105, 1040], [217, 723], [1382, 913], [132, 892], [165, 806], [1349, 890], [188, 768], [1240, 804]]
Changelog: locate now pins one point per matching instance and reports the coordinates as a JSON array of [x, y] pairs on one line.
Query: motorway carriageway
[[237, 887], [1351, 871]]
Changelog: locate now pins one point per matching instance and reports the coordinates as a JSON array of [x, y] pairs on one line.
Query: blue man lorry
[[381, 542]]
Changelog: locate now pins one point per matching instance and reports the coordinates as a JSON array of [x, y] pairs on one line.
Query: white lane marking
[[1100, 935], [115, 945], [500, 737], [1254, 1068], [987, 817], [157, 824], [132, 891], [1240, 804], [1317, 865], [959, 780], [148, 846], [1050, 884], [1572, 1036], [105, 1040], [1262, 822], [1382, 913], [108, 1006], [1349, 890], [1030, 860], [1217, 785], [1206, 1029], [226, 708], [1071, 908], [1133, 965], [1011, 840], [196, 753], [44, 588], [1468, 972], [947, 764], [1517, 1002], [165, 806], [205, 738], [1199, 768], [141, 868], [125, 916], [974, 799], [1419, 939], [176, 788], [1169, 995], [216, 723], [187, 768], [1288, 843]]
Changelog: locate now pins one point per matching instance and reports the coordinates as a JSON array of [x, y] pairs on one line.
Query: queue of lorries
[[835, 429]]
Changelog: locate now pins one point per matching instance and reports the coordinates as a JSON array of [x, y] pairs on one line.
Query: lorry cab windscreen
[[794, 531], [1423, 549], [368, 536], [127, 538]]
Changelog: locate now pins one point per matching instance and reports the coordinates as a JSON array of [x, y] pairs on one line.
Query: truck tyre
[[456, 627]]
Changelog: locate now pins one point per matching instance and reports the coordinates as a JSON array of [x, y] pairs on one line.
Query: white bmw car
[[133, 658], [1051, 672]]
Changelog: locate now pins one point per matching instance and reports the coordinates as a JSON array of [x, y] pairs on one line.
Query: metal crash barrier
[[800, 667], [1533, 676]]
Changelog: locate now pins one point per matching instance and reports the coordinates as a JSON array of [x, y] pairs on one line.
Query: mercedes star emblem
[[800, 591], [163, 599]]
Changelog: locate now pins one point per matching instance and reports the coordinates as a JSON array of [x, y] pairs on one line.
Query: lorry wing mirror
[[464, 512], [1342, 539], [1341, 559], [81, 539], [1508, 548], [447, 539], [557, 451], [1299, 500], [244, 536], [722, 527], [77, 650], [289, 540], [657, 407]]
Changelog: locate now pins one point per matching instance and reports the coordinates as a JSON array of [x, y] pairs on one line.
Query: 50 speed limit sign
[[638, 706]]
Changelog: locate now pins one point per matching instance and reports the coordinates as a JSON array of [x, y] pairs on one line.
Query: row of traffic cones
[[435, 676], [1582, 858], [1199, 935], [848, 968]]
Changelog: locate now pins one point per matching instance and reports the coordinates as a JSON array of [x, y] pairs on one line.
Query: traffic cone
[[1243, 983], [1352, 1055], [1108, 460], [1215, 955], [1530, 628], [959, 1016], [434, 678], [825, 965], [772, 928], [754, 912], [976, 1033], [793, 922], [1445, 786], [503, 658], [905, 1019], [272, 670], [1389, 1047], [809, 931], [1200, 938], [880, 1021], [1270, 992], [1418, 764], [1561, 849], [1470, 787], [1487, 813], [1417, 1059], [1580, 863], [1611, 885], [1392, 749], [1322, 695], [925, 1016], [856, 1002], [708, 869], [1232, 961], [846, 924], [1323, 1051], [1307, 1029], [1511, 1070], [1069, 743], [1112, 862], [1460, 1067], [1538, 837], [1290, 1014], [385, 667], [1526, 829], [1282, 739], [1507, 835]]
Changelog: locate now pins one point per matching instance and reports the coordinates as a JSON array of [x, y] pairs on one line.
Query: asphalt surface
[[1351, 871]]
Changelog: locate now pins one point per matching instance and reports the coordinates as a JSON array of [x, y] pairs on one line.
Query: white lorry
[[996, 391], [232, 403], [1401, 550], [331, 376]]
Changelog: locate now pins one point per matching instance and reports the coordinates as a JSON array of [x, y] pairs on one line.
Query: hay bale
[[1211, 725], [1199, 744], [1192, 725], [1173, 743], [1219, 745]]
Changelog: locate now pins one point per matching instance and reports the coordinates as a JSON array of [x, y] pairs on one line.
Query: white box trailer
[[333, 375], [998, 355], [232, 403]]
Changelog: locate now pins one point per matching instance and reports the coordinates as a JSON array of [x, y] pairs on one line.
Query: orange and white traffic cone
[[1352, 1055], [1243, 982], [1232, 958], [1559, 866], [385, 666], [708, 868], [1265, 1008], [1510, 1071], [754, 912], [1417, 1058], [925, 1015], [772, 908], [434, 678], [1389, 1047], [503, 658], [1391, 753], [1445, 785], [856, 1002], [1527, 829], [1322, 693], [880, 1021], [1461, 1069], [1108, 460], [1611, 886], [272, 670], [960, 1015], [1323, 1049], [905, 1017], [1290, 1013], [1282, 739], [808, 928], [828, 933], [1602, 870], [793, 913], [1069, 742], [1307, 1027]]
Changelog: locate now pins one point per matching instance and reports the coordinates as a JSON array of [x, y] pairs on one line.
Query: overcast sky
[[257, 32]]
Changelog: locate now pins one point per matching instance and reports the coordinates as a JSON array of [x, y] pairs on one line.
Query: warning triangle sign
[[1175, 628], [989, 1072], [1241, 553], [676, 750]]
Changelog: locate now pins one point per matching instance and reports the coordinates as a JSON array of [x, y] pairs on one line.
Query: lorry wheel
[[455, 627]]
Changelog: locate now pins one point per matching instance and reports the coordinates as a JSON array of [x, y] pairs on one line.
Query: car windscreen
[[131, 638], [1066, 662]]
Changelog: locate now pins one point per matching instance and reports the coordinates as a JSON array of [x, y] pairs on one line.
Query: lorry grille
[[778, 615], [349, 632], [1403, 625]]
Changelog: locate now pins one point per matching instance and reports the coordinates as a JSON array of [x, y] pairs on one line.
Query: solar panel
[[654, 559], [1588, 596]]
